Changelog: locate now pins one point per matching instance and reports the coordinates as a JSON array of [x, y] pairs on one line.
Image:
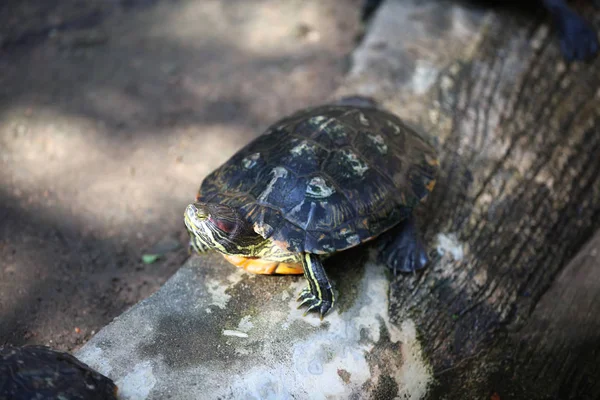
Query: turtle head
[[219, 227]]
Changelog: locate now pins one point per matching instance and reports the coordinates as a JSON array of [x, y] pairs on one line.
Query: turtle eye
[[201, 215]]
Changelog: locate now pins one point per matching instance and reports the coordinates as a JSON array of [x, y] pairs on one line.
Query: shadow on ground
[[111, 114]]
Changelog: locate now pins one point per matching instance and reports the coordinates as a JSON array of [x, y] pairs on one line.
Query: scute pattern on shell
[[37, 372], [327, 178]]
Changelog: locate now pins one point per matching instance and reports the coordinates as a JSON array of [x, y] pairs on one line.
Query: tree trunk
[[557, 352], [519, 139]]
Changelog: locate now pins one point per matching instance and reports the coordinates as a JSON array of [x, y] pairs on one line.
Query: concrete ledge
[[213, 331]]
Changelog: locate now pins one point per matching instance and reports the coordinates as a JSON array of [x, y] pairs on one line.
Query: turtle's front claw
[[313, 303], [305, 293], [307, 299]]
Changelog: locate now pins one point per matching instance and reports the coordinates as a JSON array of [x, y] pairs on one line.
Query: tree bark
[[557, 352], [519, 139]]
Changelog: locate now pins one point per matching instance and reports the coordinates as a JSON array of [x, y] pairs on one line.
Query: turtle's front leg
[[318, 296]]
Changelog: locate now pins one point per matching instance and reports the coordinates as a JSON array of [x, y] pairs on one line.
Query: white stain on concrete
[[94, 357], [216, 288], [317, 362], [448, 243], [261, 382], [333, 363], [137, 384], [245, 324], [217, 292]]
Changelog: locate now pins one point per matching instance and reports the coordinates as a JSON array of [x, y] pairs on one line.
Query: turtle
[[322, 180], [38, 372]]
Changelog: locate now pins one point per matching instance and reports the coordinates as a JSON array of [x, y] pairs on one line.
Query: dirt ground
[[111, 113]]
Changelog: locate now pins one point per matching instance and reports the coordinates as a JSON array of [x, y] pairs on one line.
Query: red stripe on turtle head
[[223, 224]]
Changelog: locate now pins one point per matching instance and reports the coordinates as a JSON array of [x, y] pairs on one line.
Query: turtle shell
[[327, 178], [37, 372]]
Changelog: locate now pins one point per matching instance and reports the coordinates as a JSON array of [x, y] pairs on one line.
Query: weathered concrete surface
[[408, 45], [214, 331]]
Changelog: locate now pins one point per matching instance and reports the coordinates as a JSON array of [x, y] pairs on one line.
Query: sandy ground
[[111, 113]]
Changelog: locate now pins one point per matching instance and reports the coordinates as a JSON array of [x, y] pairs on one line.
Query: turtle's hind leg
[[318, 296], [403, 250]]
